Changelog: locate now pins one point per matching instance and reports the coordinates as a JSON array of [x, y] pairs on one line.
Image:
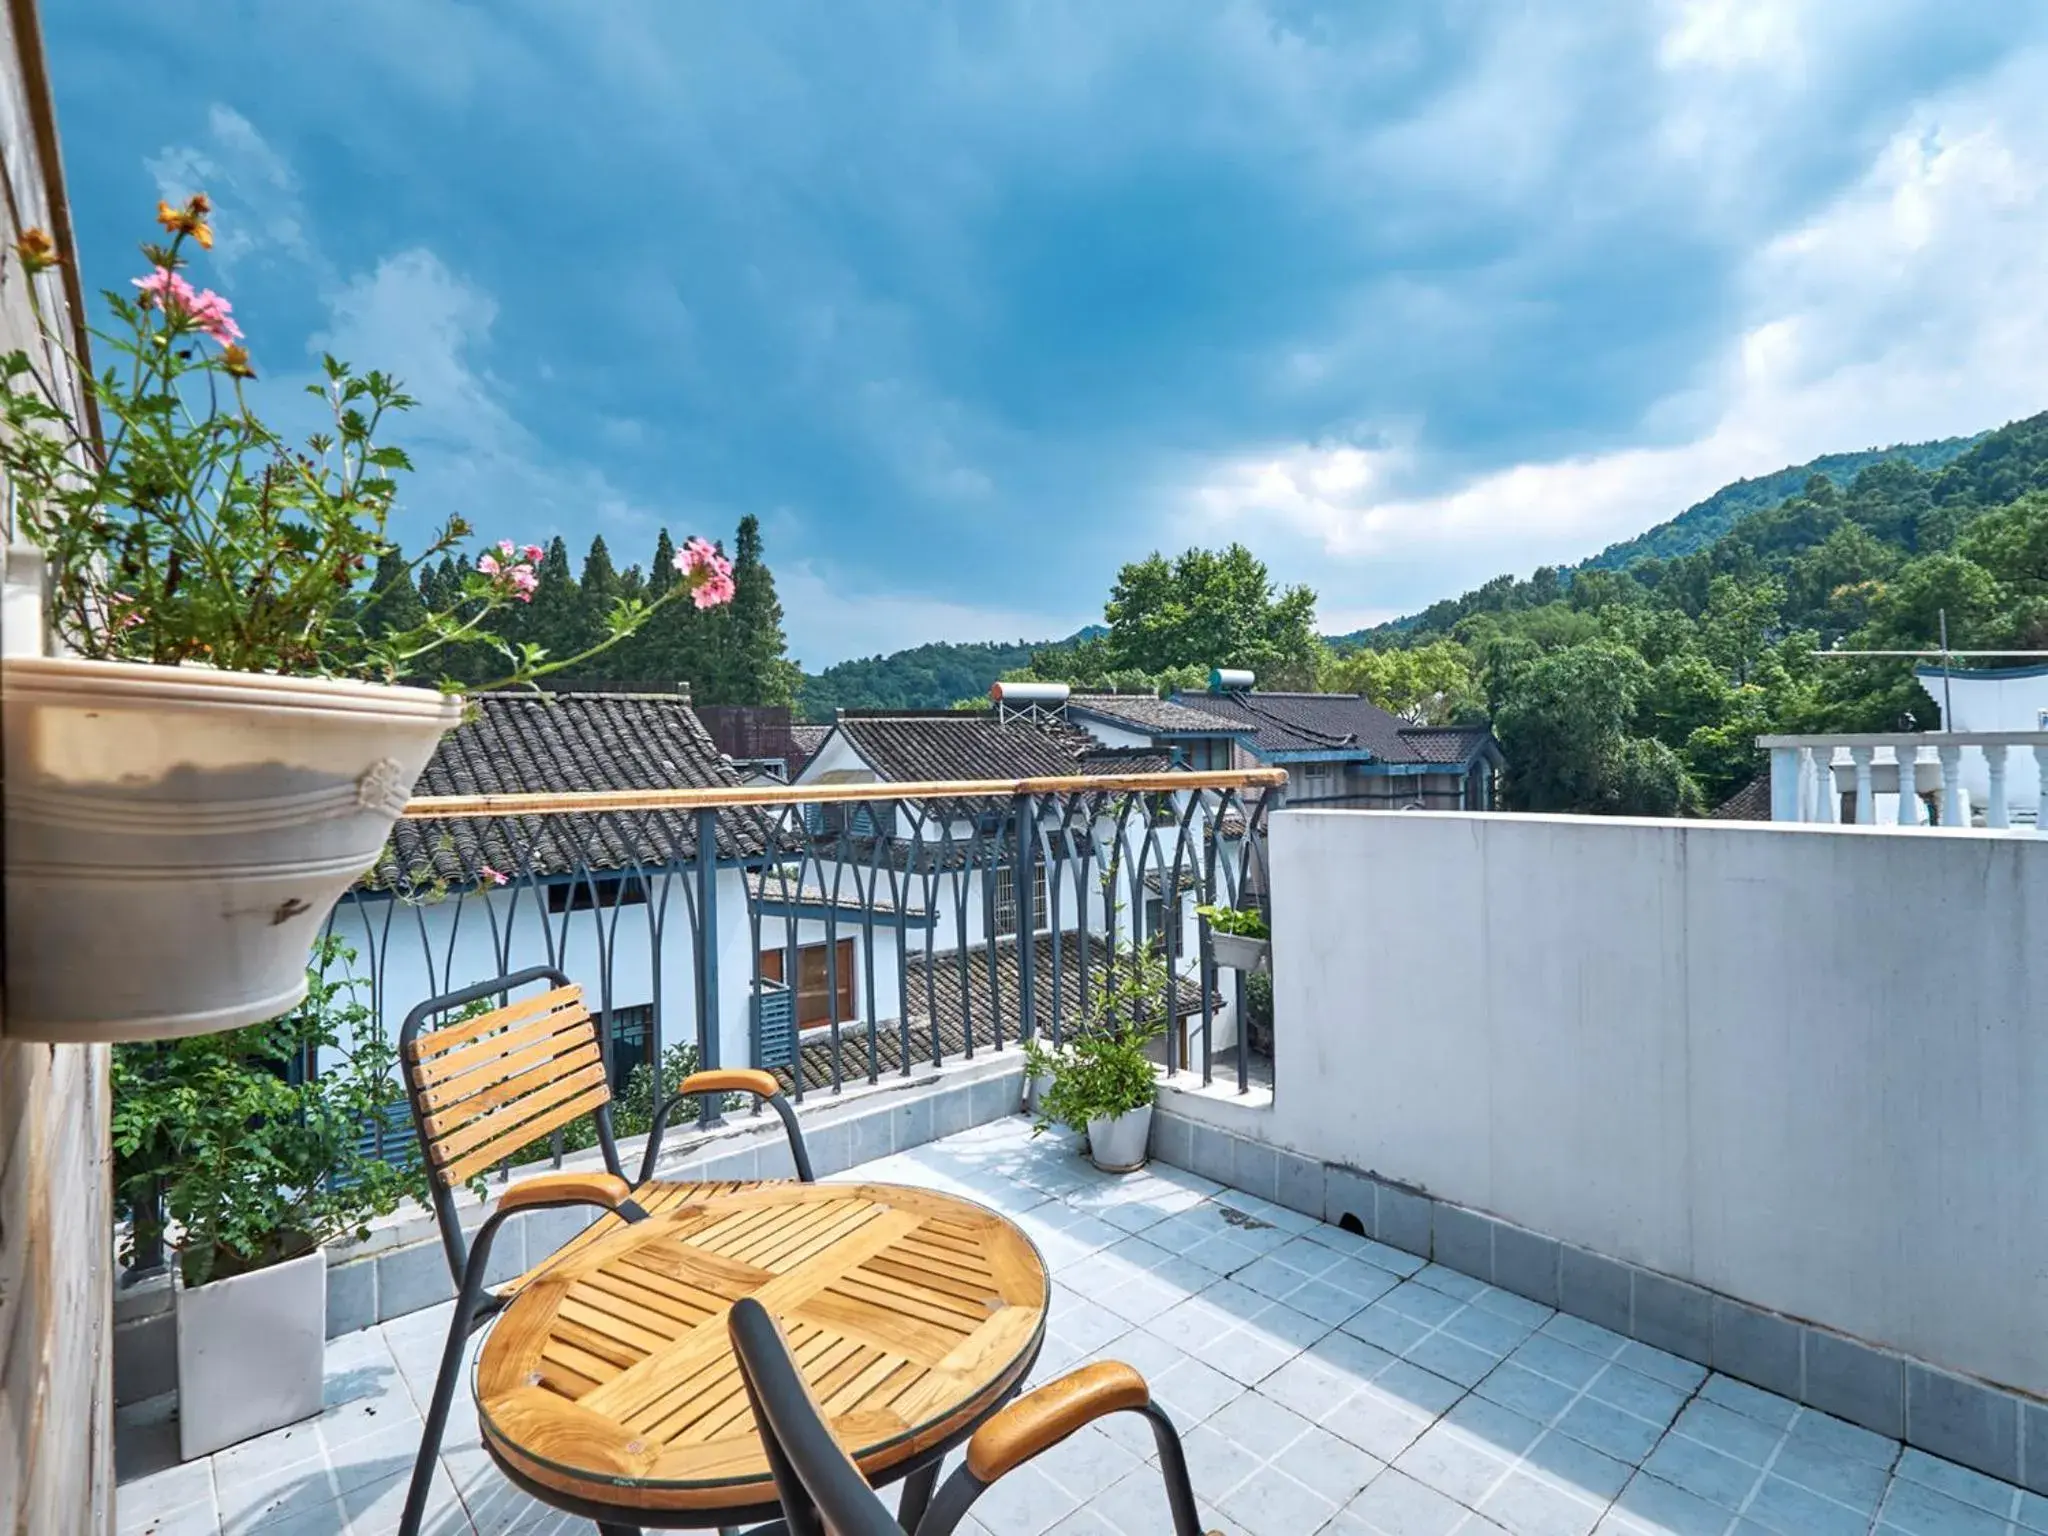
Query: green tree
[[394, 603], [1434, 684], [1210, 608], [597, 593], [1563, 721], [554, 619], [752, 664]]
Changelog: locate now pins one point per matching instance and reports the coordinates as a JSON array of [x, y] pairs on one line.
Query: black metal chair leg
[[606, 1528], [460, 1326], [917, 1496], [437, 1421]]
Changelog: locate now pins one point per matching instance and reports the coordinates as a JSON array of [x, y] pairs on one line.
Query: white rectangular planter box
[[251, 1351]]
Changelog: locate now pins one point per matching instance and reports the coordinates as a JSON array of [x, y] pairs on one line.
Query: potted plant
[[1238, 937], [1101, 1082], [225, 744], [260, 1161]]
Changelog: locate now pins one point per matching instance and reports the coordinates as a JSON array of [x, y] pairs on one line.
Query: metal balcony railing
[[833, 934]]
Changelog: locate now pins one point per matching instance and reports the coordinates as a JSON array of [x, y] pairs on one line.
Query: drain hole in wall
[[1350, 1223]]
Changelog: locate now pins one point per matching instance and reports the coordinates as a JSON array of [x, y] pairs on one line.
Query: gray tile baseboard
[[1978, 1424]]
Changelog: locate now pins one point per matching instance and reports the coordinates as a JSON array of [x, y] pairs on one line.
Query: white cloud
[[254, 193], [1910, 307], [412, 317], [1732, 34]]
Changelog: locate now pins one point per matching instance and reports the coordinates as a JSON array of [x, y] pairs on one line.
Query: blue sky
[[971, 303]]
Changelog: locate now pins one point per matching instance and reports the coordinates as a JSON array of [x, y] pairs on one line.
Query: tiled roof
[[1125, 760], [1142, 712], [551, 743], [908, 749], [981, 1011], [806, 739], [1334, 723], [1450, 744], [1752, 802]]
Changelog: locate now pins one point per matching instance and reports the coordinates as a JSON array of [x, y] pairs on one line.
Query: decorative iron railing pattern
[[834, 934]]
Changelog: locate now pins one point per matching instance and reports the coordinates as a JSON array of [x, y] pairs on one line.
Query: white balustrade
[[1981, 780]]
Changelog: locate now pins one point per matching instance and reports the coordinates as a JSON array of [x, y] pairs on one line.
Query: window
[[605, 892], [815, 982], [1317, 779], [632, 1030], [1006, 900]]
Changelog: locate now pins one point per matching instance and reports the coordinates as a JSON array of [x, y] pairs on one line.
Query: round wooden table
[[608, 1387]]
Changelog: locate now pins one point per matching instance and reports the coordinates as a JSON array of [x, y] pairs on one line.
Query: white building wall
[[1803, 1066], [421, 951], [2014, 699]]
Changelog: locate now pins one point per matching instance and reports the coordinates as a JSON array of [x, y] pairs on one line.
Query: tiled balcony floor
[[1324, 1384]]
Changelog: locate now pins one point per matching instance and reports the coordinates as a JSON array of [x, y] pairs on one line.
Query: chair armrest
[[1041, 1419], [545, 1189], [762, 1085]]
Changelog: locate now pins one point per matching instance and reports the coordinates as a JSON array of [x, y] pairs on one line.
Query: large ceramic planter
[[1234, 951], [1118, 1143], [176, 836], [250, 1353]]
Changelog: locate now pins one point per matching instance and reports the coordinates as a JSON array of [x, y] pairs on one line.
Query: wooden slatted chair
[[482, 1089], [821, 1489]]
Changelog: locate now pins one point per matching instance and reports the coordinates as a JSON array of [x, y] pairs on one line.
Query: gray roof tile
[[557, 742]]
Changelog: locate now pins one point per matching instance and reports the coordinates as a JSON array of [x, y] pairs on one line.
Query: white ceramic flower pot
[[176, 836], [250, 1353], [1118, 1143], [1236, 952]]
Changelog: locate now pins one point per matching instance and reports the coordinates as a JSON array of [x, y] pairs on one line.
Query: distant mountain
[[923, 677], [1702, 523]]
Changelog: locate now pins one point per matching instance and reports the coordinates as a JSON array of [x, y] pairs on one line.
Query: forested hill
[[924, 677], [1643, 691], [1702, 523]]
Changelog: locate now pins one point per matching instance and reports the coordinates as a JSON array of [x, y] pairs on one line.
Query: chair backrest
[[482, 1088], [813, 1474]]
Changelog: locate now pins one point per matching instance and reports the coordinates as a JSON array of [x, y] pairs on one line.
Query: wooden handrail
[[585, 802]]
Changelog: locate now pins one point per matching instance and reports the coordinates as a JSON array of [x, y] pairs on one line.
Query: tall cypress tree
[[394, 602], [553, 620], [600, 589], [755, 666]]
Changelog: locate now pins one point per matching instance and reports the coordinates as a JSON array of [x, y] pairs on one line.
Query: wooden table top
[[611, 1378]]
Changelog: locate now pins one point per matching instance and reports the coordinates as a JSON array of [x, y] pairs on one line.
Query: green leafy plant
[[259, 1159], [1245, 922], [191, 531], [1104, 1068]]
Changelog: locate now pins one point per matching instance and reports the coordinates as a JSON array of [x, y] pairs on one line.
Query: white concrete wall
[[1804, 1066]]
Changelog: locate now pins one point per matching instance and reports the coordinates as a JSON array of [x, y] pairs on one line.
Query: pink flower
[[508, 549], [534, 553], [165, 289], [213, 315], [715, 590], [706, 573], [523, 582], [495, 876], [696, 555], [488, 564]]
